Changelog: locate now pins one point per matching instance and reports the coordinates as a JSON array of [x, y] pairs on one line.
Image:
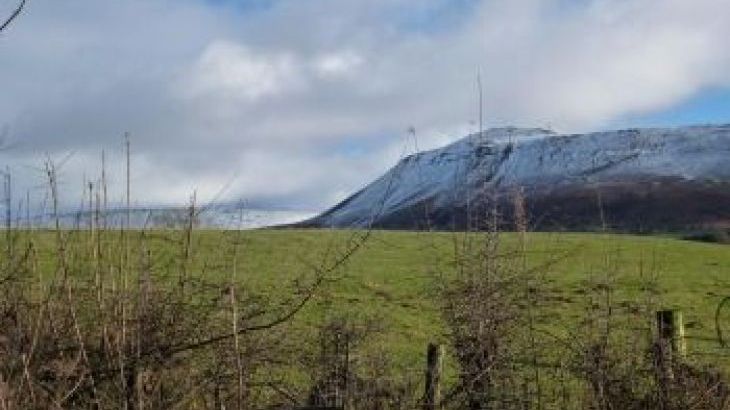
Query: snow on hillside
[[218, 217], [503, 158]]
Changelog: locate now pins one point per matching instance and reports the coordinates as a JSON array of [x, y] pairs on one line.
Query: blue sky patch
[[710, 106]]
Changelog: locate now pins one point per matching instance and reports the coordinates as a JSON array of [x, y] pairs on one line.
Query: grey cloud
[[210, 92]]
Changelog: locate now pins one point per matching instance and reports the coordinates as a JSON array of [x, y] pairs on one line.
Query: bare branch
[[12, 17]]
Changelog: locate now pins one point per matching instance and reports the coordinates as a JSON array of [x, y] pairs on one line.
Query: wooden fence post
[[671, 331], [669, 347], [434, 366]]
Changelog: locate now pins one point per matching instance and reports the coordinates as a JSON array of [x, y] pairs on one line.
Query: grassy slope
[[392, 279]]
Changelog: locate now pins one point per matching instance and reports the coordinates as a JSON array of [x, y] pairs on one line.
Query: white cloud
[[305, 101], [232, 70], [338, 64]]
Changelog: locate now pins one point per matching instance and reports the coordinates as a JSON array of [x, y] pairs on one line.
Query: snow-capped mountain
[[639, 179]]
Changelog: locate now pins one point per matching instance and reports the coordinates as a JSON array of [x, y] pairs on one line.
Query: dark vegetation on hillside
[[710, 236], [651, 206]]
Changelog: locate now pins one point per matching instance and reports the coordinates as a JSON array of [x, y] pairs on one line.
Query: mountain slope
[[637, 179]]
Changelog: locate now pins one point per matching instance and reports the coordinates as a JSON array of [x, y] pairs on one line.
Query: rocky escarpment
[[635, 179]]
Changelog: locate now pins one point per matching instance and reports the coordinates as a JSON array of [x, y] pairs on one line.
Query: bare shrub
[[624, 362], [348, 375], [490, 309], [104, 318]]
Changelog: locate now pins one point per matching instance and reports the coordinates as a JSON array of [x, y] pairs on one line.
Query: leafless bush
[[625, 362], [347, 376], [510, 358], [490, 309], [130, 319]]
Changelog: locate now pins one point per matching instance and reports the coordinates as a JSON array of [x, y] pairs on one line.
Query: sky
[[298, 103]]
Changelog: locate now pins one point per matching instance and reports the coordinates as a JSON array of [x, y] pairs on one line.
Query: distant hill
[[633, 179], [216, 216]]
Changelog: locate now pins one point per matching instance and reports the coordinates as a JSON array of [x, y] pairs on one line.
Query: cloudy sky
[[296, 103]]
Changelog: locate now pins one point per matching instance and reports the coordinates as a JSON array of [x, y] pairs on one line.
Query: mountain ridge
[[635, 179]]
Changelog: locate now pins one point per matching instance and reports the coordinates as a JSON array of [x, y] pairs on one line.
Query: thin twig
[[13, 16]]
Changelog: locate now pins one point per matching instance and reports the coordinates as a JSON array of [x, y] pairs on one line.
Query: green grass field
[[393, 279]]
